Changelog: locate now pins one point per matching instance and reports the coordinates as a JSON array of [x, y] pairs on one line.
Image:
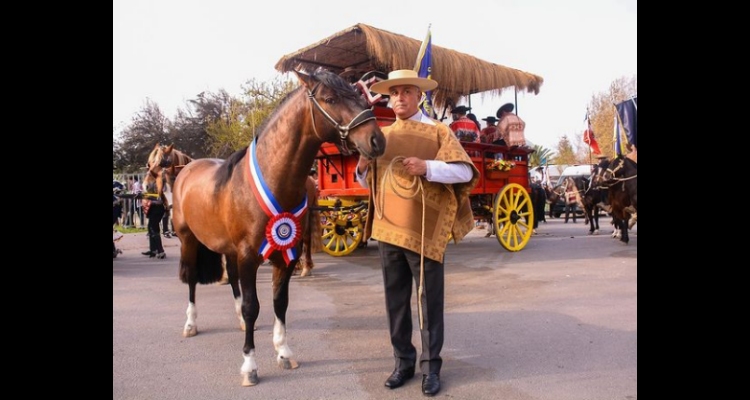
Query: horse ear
[[169, 148], [305, 79], [157, 146]]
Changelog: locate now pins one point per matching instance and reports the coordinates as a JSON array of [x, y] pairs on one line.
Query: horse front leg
[[248, 272], [282, 275]]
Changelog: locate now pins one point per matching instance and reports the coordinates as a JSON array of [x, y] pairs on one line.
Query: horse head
[[619, 169], [159, 158], [340, 114]]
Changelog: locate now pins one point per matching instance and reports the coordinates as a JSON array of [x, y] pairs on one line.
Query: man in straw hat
[[413, 228]]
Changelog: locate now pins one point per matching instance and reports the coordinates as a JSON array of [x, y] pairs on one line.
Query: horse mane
[[328, 79], [224, 174]]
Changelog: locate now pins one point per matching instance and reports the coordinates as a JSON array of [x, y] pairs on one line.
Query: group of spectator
[[509, 130]]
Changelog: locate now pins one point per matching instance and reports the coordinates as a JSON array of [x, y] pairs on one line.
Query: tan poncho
[[397, 220]]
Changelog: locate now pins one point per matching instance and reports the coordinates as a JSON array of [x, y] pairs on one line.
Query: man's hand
[[363, 164], [415, 166]]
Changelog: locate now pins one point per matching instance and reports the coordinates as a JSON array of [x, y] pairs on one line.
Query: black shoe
[[398, 377], [430, 384], [149, 253]]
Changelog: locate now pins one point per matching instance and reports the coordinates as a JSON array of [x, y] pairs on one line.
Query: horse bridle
[[361, 118]]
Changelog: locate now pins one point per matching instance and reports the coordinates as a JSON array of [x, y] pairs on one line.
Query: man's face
[[405, 100]]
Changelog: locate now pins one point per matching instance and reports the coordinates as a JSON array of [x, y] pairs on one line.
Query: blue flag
[[616, 136], [628, 112], [423, 66]]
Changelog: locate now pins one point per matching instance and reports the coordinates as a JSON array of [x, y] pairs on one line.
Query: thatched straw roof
[[362, 48]]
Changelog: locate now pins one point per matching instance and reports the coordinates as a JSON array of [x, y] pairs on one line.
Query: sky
[[168, 51]]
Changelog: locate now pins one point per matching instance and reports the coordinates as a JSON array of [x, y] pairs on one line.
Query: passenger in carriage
[[476, 121], [464, 128], [424, 149], [491, 134], [511, 126]]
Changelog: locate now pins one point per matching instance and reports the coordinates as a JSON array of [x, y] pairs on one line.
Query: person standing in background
[[153, 207]]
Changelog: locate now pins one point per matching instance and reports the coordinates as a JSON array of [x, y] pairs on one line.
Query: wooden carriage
[[501, 197]]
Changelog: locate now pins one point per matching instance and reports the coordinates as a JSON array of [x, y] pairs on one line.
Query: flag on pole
[[628, 113], [588, 137], [423, 66], [616, 136]]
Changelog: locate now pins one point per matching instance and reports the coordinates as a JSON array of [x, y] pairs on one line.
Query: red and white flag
[[588, 137]]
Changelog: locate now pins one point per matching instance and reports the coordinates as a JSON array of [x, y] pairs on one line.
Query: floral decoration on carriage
[[500, 165]]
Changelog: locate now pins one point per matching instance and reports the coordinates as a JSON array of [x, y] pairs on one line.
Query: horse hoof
[[286, 363], [190, 331], [250, 379], [305, 272]]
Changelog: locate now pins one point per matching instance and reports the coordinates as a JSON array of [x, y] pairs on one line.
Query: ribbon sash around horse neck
[[284, 228]]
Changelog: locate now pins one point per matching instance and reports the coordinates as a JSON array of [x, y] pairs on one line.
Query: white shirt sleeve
[[361, 177], [443, 172]]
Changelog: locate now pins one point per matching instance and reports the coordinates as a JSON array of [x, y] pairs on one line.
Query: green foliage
[[565, 152], [539, 155], [601, 114], [211, 125]]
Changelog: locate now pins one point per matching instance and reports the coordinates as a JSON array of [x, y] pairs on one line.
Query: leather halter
[[361, 118]]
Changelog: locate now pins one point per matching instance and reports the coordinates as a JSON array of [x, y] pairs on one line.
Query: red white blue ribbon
[[284, 228]]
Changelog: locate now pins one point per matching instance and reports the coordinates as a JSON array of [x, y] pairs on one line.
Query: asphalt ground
[[555, 321]]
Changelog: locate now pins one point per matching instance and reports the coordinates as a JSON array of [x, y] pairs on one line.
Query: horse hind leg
[[198, 264]]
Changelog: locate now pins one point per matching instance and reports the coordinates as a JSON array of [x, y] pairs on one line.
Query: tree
[[540, 156], [602, 111], [147, 128], [565, 152]]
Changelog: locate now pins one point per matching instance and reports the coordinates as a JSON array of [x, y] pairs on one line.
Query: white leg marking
[[284, 355], [191, 327], [249, 369]]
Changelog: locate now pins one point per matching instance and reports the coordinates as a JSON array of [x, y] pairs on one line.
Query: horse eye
[[330, 100]]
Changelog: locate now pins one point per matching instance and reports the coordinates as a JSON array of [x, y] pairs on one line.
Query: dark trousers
[[401, 271], [165, 222], [571, 208], [155, 214]]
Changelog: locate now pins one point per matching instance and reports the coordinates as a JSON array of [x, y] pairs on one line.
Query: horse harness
[[361, 118]]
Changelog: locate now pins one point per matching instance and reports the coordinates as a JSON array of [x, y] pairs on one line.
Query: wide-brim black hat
[[490, 119], [460, 110], [507, 107]]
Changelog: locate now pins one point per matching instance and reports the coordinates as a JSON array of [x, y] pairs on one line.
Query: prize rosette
[[283, 231]]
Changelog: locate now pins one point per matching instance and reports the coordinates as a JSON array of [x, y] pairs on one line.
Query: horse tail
[[208, 266]]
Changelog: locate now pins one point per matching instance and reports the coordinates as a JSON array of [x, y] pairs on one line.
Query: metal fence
[[132, 212]]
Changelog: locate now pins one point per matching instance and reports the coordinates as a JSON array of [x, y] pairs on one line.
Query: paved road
[[556, 321]]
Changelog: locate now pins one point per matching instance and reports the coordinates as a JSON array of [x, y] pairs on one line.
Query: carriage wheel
[[342, 232], [513, 217]]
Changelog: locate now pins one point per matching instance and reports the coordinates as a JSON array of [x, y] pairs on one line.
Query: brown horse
[[621, 178], [164, 163], [250, 206]]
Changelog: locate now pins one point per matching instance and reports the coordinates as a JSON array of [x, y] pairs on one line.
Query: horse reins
[[361, 118], [380, 206]]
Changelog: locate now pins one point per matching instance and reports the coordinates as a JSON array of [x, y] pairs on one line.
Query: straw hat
[[403, 77]]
